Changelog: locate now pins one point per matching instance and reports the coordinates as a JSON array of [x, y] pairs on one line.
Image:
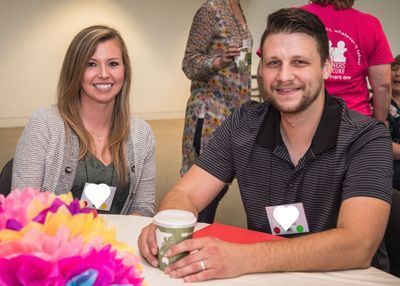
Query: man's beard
[[306, 100]]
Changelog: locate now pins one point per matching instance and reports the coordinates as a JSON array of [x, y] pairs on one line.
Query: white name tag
[[246, 44], [287, 219], [244, 59], [98, 196]]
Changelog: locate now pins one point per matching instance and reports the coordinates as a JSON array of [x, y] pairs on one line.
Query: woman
[[358, 49], [218, 62], [88, 143], [394, 120]]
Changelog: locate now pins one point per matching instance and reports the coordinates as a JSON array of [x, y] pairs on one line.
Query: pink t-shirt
[[356, 41]]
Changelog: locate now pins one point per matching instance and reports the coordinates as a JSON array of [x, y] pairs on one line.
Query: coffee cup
[[173, 226]]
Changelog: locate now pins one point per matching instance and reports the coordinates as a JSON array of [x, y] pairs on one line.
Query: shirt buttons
[[68, 170], [133, 168]]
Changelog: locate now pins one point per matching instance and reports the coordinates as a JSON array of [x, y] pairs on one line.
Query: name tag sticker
[[98, 196], [246, 43], [287, 219]]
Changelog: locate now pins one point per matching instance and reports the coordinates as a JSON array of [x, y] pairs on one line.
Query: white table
[[128, 229]]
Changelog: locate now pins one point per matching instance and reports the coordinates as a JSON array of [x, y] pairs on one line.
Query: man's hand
[[147, 244], [218, 258]]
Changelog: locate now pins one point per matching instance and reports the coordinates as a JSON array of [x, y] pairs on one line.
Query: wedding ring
[[202, 265]]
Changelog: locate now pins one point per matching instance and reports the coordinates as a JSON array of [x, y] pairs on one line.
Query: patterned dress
[[214, 94]]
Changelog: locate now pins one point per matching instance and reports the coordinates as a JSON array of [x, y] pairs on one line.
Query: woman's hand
[[227, 57]]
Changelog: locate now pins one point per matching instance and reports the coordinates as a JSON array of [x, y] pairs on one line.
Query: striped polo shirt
[[350, 155]]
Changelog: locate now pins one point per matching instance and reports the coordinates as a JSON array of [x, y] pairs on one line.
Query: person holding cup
[[308, 168], [218, 62]]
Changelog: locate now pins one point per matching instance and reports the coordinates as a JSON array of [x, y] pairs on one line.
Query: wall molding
[[9, 122]]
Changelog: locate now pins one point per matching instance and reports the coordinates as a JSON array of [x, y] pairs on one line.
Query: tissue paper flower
[[50, 240]]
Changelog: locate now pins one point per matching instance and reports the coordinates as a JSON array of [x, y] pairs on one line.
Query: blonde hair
[[339, 4], [78, 54]]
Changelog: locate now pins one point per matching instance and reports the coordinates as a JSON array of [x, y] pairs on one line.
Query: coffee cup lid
[[175, 219]]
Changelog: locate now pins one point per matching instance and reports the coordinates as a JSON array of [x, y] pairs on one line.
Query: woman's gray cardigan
[[43, 161]]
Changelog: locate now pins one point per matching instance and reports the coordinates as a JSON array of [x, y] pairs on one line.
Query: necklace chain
[[238, 24]]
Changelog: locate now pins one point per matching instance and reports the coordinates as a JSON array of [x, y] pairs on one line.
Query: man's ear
[[327, 68]]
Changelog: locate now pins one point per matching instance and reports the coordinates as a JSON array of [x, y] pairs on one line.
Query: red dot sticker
[[277, 230]]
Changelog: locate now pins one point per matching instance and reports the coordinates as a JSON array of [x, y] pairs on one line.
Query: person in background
[[218, 62], [359, 49], [392, 235], [89, 142], [394, 121], [299, 150]]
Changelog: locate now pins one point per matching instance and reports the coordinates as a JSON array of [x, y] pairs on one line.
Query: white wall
[[36, 34]]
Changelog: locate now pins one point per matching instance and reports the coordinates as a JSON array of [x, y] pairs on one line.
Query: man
[[300, 146]]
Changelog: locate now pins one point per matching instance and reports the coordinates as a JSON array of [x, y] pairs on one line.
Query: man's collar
[[269, 134], [324, 138]]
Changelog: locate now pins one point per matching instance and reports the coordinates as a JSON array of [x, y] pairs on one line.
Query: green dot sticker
[[300, 228]]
